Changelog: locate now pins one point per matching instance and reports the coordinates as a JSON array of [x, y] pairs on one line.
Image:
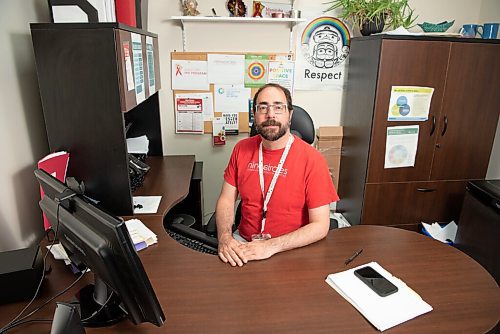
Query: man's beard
[[268, 133]]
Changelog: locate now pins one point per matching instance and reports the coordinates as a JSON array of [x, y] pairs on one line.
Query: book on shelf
[[56, 164]]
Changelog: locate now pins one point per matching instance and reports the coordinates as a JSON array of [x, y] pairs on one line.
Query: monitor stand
[[92, 298], [98, 308]]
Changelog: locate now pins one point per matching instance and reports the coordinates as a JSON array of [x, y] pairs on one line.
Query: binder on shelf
[[125, 12], [56, 164], [77, 11]]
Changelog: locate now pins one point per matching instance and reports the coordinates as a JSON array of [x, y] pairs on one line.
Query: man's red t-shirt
[[304, 183]]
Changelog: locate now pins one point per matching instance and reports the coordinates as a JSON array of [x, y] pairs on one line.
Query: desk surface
[[287, 293]]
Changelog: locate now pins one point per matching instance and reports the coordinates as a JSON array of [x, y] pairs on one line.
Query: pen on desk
[[353, 256]]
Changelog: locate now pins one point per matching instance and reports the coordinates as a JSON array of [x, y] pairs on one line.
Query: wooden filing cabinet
[[454, 144]]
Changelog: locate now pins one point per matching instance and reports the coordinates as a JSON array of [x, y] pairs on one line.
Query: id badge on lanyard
[[267, 197]]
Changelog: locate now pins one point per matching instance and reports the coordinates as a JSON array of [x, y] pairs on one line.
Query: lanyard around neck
[[269, 193]]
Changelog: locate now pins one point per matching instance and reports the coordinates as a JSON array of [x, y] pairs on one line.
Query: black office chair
[[303, 127]]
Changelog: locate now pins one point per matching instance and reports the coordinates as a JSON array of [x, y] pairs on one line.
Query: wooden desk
[[169, 176], [287, 293]]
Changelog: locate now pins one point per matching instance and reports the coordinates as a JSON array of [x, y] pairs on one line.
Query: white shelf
[[235, 19]]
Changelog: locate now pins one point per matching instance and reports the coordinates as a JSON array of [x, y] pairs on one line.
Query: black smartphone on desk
[[375, 281]]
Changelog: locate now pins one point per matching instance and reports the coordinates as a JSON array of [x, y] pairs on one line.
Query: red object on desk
[[125, 12], [56, 164]]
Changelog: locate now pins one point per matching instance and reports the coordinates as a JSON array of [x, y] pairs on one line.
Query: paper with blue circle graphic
[[410, 103], [401, 146]]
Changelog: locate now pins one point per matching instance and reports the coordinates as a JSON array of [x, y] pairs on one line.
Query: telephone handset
[[137, 171], [137, 165]]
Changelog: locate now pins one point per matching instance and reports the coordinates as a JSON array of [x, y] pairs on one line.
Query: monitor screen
[[99, 241]]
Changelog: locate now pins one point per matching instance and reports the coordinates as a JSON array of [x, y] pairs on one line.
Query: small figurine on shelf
[[236, 8], [189, 7], [257, 9]]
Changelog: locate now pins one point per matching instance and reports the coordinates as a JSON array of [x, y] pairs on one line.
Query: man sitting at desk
[[284, 185]]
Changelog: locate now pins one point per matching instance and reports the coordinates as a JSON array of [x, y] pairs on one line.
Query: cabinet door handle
[[426, 190], [433, 128], [445, 125]]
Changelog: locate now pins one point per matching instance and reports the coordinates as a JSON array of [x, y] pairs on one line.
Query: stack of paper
[[138, 145], [142, 236], [382, 312]]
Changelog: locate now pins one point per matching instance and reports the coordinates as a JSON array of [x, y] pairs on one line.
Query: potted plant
[[371, 16]]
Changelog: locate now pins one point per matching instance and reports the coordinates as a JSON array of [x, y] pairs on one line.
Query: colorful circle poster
[[256, 70]]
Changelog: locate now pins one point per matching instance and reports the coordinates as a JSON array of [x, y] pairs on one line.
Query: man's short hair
[[283, 89]]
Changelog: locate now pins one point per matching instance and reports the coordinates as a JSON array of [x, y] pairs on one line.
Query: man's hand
[[230, 250], [259, 249]]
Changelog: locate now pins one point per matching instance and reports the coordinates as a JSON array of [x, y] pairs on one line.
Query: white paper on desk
[[138, 145], [149, 204], [59, 253], [382, 312], [140, 232]]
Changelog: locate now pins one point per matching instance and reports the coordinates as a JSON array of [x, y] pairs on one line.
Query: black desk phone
[[136, 165], [137, 171]]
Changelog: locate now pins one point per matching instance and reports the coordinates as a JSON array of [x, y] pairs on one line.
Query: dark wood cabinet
[[454, 144], [87, 102]]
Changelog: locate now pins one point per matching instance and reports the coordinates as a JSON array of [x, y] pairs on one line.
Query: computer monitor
[[100, 242]]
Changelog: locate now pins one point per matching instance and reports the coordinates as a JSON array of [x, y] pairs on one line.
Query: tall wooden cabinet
[[454, 144], [86, 78]]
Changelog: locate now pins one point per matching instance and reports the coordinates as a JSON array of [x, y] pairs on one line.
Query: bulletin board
[[243, 115]]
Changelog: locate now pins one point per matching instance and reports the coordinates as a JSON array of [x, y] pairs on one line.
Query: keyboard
[[192, 238]]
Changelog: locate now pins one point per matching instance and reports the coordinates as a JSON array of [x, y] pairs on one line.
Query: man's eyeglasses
[[264, 108]]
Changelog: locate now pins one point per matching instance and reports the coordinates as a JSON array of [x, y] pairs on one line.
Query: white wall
[[324, 107], [22, 132]]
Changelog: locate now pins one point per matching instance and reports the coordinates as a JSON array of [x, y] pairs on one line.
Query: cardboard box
[[329, 144], [329, 137]]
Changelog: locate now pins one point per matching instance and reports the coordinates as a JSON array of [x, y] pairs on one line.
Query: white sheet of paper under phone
[[382, 312], [146, 204]]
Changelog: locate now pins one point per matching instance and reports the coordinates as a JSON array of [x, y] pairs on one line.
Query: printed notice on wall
[[189, 75], [410, 103], [226, 69], [401, 146], [231, 123], [188, 115], [140, 94], [229, 98], [151, 64], [128, 66], [219, 132], [281, 72]]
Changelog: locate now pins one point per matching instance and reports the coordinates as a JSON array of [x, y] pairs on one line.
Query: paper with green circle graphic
[[401, 146], [409, 103], [256, 70]]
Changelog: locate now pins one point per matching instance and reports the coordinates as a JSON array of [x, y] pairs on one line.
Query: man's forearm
[[224, 217], [259, 250], [304, 236]]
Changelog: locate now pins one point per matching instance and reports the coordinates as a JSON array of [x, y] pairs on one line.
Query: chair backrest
[[302, 125]]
